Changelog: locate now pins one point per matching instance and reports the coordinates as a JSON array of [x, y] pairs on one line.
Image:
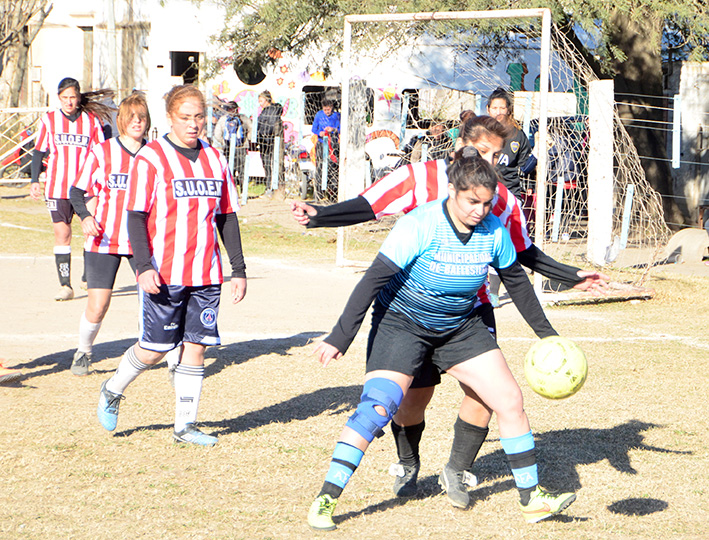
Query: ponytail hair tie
[[470, 152]]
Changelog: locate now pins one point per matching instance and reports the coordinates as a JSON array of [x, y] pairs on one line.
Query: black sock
[[467, 441], [407, 440], [328, 488], [63, 262], [522, 460]]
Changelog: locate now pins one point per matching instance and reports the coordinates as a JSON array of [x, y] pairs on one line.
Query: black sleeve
[[518, 285], [538, 261], [228, 226], [351, 212], [138, 236], [78, 201], [529, 166], [36, 166], [376, 277]]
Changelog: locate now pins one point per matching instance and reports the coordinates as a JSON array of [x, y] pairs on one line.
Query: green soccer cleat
[[543, 504], [320, 513]]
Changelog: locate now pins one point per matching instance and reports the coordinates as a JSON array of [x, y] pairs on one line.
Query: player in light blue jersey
[[423, 284]]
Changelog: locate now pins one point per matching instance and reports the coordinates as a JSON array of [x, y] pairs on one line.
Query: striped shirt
[[68, 144], [182, 198], [105, 175], [437, 286], [410, 186]]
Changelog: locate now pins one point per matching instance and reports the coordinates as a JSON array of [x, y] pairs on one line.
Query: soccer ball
[[555, 367]]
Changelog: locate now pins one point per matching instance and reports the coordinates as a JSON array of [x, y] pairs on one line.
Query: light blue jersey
[[440, 275]]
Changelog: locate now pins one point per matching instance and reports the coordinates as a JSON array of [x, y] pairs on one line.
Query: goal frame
[[348, 165]]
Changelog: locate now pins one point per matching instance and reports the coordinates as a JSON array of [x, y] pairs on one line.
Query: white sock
[[128, 370], [87, 333], [188, 387]]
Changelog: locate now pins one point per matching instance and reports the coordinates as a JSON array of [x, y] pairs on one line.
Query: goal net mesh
[[421, 75]]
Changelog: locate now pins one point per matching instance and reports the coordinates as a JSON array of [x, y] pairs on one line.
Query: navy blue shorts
[[430, 375], [396, 343], [178, 314], [101, 269]]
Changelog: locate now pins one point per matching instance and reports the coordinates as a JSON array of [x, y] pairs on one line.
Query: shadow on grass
[[559, 453], [61, 361], [224, 355], [334, 400], [242, 351]]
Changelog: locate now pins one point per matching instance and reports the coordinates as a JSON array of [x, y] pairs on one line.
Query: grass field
[[633, 443]]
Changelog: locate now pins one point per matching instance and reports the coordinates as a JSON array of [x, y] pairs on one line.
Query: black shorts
[[61, 210], [101, 269], [396, 343], [178, 314], [429, 375]]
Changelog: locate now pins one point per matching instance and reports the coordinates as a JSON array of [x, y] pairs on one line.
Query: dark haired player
[[424, 284], [401, 191]]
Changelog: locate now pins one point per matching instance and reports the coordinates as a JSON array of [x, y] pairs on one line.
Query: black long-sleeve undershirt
[[36, 166], [138, 237], [78, 201], [374, 279], [358, 210], [350, 212], [227, 224], [525, 299]]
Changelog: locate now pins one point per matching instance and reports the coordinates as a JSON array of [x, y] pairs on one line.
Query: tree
[[629, 48], [16, 36]]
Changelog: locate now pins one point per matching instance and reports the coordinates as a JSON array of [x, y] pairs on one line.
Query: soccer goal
[[408, 77]]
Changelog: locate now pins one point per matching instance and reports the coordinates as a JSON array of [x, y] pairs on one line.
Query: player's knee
[[379, 402]]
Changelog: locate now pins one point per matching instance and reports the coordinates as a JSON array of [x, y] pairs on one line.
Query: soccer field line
[[229, 338], [685, 340]]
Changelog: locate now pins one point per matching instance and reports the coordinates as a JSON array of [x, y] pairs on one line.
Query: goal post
[[415, 73]]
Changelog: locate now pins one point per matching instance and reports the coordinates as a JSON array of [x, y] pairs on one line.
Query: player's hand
[[35, 191], [238, 289], [90, 227], [302, 212], [149, 281], [326, 352], [595, 282]]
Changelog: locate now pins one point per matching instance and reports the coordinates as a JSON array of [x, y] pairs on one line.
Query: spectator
[[270, 127], [235, 125], [326, 125]]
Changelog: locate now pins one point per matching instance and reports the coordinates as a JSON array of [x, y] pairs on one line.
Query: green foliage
[[255, 30]]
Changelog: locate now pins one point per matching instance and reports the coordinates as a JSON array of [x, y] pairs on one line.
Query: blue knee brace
[[366, 420]]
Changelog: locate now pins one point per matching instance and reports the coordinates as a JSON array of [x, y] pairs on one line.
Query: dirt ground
[[634, 442]]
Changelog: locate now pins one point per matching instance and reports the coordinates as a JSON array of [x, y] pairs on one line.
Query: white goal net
[[407, 79]]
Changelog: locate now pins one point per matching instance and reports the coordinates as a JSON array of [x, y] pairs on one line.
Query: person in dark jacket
[[270, 126]]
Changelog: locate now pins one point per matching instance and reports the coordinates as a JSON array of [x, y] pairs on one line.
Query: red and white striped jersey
[[182, 199], [68, 144], [410, 186], [407, 187], [105, 176]]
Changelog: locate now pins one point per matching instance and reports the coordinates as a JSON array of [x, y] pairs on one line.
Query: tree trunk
[[638, 87], [22, 50]]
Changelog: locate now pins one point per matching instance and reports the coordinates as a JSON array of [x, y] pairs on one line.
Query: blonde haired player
[[105, 175], [180, 195]]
